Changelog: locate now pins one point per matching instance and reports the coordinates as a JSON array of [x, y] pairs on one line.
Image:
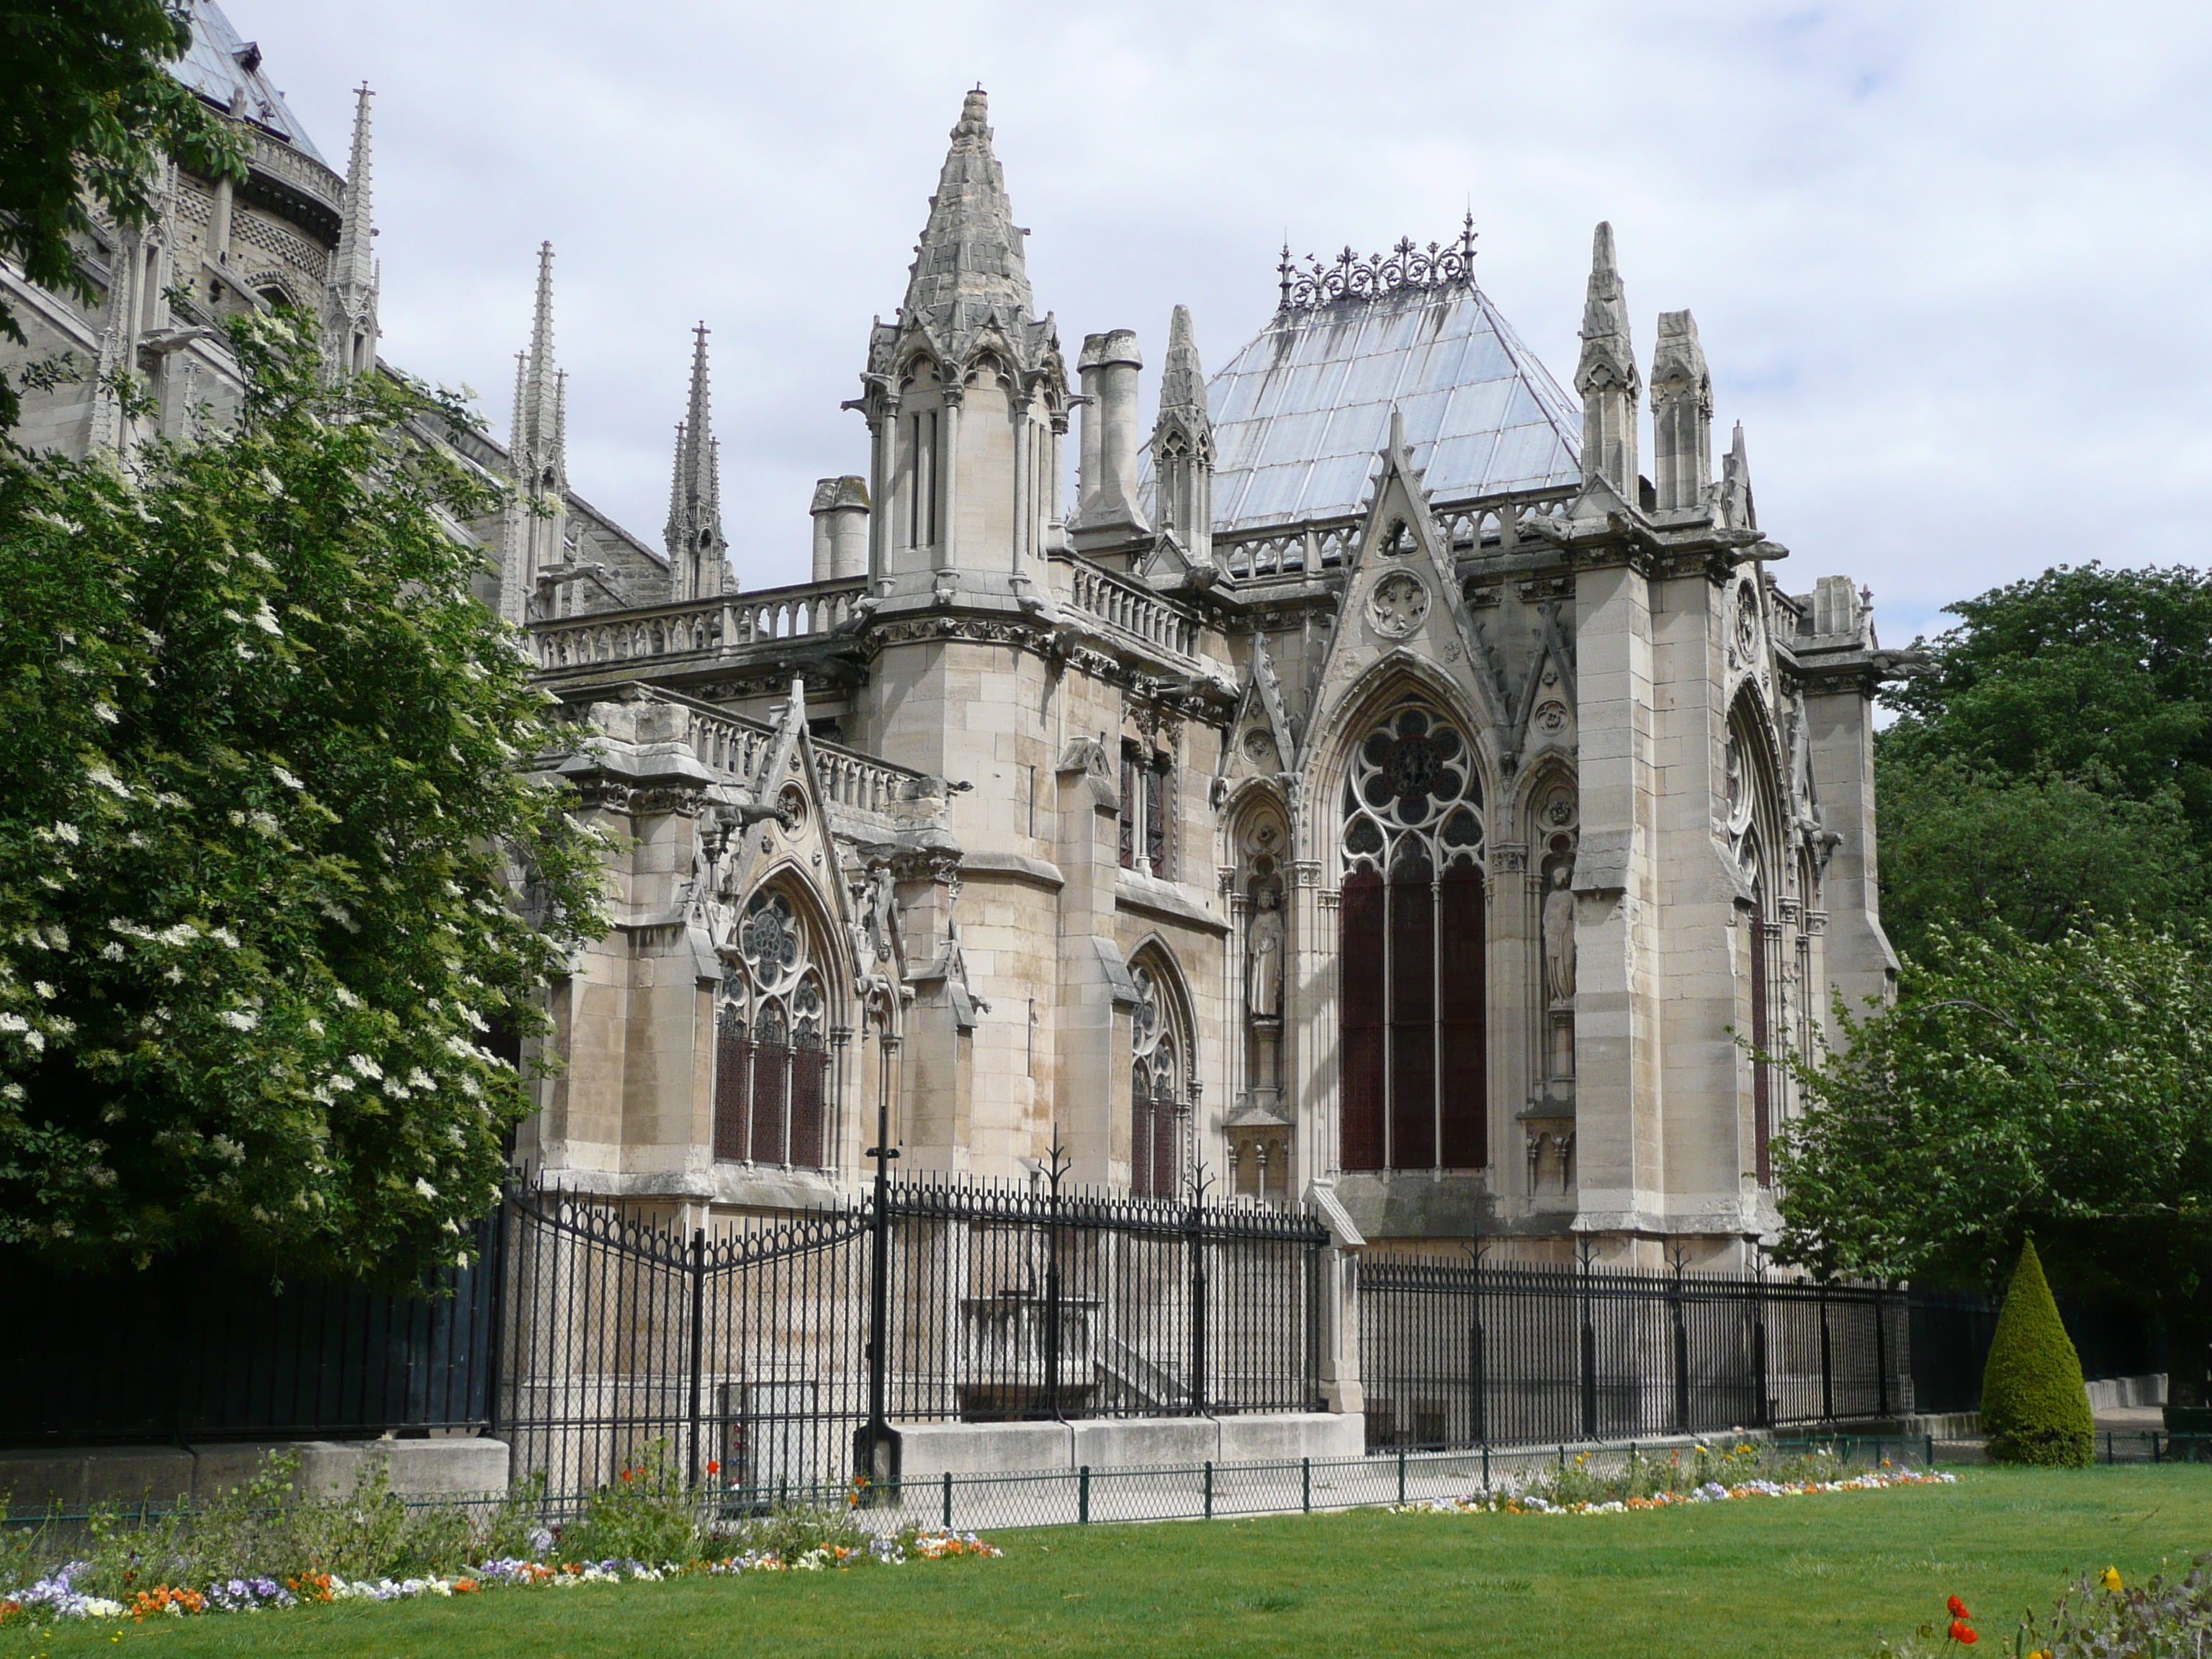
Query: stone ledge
[[74, 1477]]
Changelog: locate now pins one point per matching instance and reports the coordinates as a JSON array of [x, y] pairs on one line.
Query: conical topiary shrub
[[2034, 1407]]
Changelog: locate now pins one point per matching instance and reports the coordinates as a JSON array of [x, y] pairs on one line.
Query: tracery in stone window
[[1414, 922], [771, 1060], [1156, 1108]]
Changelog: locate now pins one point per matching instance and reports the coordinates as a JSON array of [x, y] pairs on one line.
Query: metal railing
[[748, 1350], [1458, 1353]]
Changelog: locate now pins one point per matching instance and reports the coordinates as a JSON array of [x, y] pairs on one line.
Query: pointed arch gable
[[1398, 676], [776, 1014]]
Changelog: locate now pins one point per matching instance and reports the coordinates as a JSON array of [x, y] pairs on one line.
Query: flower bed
[[1712, 1492], [55, 1597]]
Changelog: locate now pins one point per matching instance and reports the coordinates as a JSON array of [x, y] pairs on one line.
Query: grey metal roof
[[1302, 415], [215, 67]]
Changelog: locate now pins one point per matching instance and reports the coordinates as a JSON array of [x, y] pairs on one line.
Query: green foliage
[[2085, 673], [647, 1514], [2034, 1407], [2057, 762], [2040, 854], [793, 1530], [271, 866], [2063, 1088], [87, 112]]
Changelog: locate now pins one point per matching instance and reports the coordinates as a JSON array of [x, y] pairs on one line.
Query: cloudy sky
[[1951, 263]]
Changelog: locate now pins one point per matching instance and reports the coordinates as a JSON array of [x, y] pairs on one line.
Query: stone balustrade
[[1323, 545], [738, 747], [732, 622], [1133, 610]]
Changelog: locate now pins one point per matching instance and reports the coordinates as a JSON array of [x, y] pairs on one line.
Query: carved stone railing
[[732, 622], [738, 747], [1323, 543], [301, 172], [1130, 608]]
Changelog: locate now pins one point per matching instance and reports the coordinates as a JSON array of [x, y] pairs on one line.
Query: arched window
[[1755, 827], [1156, 1094], [1414, 920], [771, 1067]]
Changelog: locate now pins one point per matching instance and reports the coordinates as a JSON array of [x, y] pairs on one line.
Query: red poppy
[[1959, 1608], [714, 1466], [1962, 1631], [626, 1475]]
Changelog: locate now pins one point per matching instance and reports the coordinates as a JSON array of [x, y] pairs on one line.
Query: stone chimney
[[1107, 504], [841, 528]]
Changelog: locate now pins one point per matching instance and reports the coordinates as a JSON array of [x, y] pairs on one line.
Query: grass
[[1821, 1576]]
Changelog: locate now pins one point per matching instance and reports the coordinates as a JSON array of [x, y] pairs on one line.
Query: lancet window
[[1145, 811], [1415, 920], [771, 1062], [1155, 1091]]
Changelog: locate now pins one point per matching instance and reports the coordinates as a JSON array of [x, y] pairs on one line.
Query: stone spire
[[349, 327], [694, 532], [537, 514], [1737, 509], [1606, 376], [1682, 416], [1182, 446], [969, 267]]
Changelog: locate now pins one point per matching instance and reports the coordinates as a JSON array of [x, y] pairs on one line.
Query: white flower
[[66, 832], [340, 1082], [287, 779], [227, 1149], [395, 1088], [183, 934], [13, 1023], [266, 823], [112, 951], [347, 999], [425, 1188], [11, 1092], [102, 711], [265, 619], [314, 1027], [101, 778], [240, 1019], [224, 935], [365, 1066], [419, 1079], [43, 989]]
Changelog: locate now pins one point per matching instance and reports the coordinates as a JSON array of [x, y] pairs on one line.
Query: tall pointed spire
[[537, 515], [694, 532], [1606, 376], [968, 265], [1182, 444], [349, 326]]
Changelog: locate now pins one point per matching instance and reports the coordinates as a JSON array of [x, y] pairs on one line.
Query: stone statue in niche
[[1263, 973], [1560, 939]]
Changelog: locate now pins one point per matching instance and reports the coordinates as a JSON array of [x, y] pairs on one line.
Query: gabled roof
[[1302, 413], [217, 67]]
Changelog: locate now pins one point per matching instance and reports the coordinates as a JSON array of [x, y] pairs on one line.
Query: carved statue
[[1263, 981], [1560, 939]]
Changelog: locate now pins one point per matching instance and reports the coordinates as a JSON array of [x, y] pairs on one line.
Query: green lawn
[[1801, 1577]]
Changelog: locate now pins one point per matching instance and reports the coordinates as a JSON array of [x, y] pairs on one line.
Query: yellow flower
[[2040, 1653], [2110, 1578]]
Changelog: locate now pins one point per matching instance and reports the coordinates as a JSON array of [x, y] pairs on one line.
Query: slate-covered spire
[[1182, 444], [1606, 376], [969, 266], [538, 514], [694, 532], [349, 328]]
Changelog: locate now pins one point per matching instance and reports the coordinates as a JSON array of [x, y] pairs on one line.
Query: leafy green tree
[[2061, 1087], [2034, 1407], [88, 111], [2041, 855], [272, 864]]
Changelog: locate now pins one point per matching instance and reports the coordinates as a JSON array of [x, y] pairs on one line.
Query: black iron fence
[[201, 1347], [1458, 1353], [746, 1352]]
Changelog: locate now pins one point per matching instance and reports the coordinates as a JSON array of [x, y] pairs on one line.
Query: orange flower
[[714, 1466], [1957, 1608], [1963, 1631]]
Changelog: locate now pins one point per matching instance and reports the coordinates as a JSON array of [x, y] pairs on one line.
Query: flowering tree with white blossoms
[[273, 863]]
